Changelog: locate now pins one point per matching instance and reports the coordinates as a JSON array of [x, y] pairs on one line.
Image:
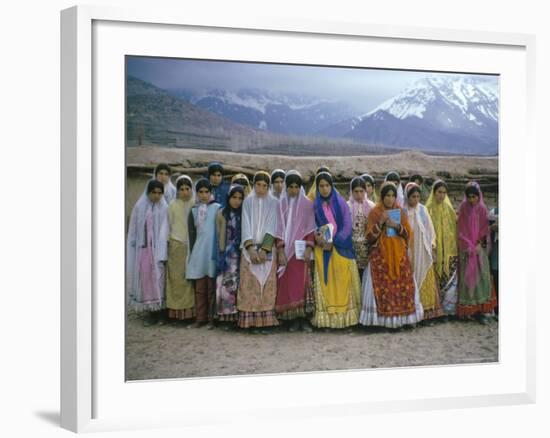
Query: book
[[327, 231], [395, 215]]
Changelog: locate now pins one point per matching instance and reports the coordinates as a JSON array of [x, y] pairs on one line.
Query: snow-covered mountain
[[283, 113], [440, 113]]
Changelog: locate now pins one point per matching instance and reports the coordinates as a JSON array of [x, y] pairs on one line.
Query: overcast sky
[[362, 88]]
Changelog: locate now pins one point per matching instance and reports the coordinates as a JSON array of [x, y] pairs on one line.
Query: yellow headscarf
[[444, 220], [313, 189]]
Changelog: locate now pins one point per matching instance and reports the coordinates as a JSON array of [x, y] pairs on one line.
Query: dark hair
[[438, 184], [393, 176], [293, 178], [228, 209], [277, 174], [163, 166], [411, 190], [368, 179], [183, 181], [154, 184], [471, 189], [387, 188], [203, 183], [322, 168], [415, 177], [262, 176], [241, 181], [358, 182], [215, 167], [323, 176]]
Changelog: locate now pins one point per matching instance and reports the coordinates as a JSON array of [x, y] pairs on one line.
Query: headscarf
[[394, 177], [342, 239], [296, 217], [369, 179], [420, 250], [473, 225], [313, 190], [366, 205], [237, 214], [444, 220], [392, 249]]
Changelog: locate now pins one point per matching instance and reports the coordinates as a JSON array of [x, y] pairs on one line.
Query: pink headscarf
[[366, 206], [473, 226], [296, 220]]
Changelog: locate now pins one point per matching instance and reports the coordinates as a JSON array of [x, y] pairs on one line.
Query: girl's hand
[[262, 256], [327, 246], [253, 255], [282, 257], [307, 254], [319, 239]]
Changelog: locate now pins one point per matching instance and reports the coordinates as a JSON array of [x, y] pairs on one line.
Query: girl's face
[[236, 200], [293, 190], [278, 185], [185, 192], [473, 199], [215, 178], [155, 195], [440, 194], [358, 194], [163, 176], [370, 189], [389, 199], [260, 188], [204, 195], [414, 199], [324, 188]]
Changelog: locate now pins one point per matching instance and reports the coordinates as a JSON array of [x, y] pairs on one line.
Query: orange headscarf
[[392, 249]]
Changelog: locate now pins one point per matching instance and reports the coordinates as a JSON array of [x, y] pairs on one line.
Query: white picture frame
[[93, 397]]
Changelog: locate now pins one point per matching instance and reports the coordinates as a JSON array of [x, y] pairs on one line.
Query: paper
[[300, 249]]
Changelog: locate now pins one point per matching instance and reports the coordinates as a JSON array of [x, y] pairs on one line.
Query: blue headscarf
[[342, 240]]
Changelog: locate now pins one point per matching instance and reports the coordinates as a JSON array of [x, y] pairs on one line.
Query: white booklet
[[300, 249]]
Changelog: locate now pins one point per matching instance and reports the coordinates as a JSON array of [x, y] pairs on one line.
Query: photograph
[[287, 218]]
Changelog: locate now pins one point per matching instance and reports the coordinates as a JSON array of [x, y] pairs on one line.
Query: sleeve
[[220, 230], [192, 231], [162, 244], [344, 232], [310, 239]]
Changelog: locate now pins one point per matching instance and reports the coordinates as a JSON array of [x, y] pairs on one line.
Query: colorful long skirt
[[388, 302], [448, 287], [256, 306], [180, 292], [338, 301], [227, 285], [294, 294], [481, 297], [429, 296]]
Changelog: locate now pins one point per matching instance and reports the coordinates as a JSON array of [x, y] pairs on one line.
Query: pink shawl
[[473, 226]]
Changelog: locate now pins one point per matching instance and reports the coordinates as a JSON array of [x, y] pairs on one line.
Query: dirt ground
[[174, 351]]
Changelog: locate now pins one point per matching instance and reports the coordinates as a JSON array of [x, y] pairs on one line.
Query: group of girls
[[259, 254]]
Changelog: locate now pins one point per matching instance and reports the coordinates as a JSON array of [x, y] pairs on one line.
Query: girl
[[277, 183], [421, 251], [446, 254], [394, 177], [228, 226], [475, 294], [369, 181], [201, 263], [163, 173], [313, 189], [242, 180], [390, 297], [296, 222], [360, 207], [147, 252], [336, 279], [180, 294], [258, 279]]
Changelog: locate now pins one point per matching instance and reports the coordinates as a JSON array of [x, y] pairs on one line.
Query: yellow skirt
[[338, 302]]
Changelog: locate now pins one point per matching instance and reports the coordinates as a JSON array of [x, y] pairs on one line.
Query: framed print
[[117, 62]]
